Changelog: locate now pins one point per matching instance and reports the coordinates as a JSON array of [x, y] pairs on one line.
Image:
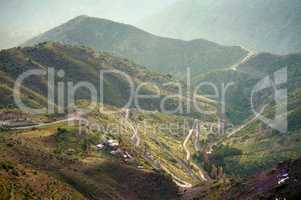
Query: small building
[[100, 146], [110, 145], [113, 143]]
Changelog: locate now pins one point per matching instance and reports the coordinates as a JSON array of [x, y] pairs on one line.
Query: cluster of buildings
[[113, 147]]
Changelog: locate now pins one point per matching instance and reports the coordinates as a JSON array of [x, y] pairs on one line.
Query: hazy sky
[[23, 19]]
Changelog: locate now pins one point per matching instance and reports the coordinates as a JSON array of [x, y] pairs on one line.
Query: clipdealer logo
[[279, 95]]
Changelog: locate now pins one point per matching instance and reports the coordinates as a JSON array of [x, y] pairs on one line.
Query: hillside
[[253, 146], [80, 64], [280, 182], [258, 147], [271, 25], [157, 53], [54, 162], [68, 155], [202, 103], [246, 75], [48, 148]]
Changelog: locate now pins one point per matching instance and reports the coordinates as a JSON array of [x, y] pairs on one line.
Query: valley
[[95, 109]]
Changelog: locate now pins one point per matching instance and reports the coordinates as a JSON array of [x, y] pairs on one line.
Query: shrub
[[7, 165]]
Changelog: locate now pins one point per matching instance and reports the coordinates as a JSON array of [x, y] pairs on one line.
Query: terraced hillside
[[44, 147], [258, 147], [40, 163], [254, 146], [81, 64], [245, 77], [66, 157]]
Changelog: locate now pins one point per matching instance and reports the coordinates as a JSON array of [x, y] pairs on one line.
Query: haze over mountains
[[31, 17], [270, 25], [213, 63], [157, 53], [144, 152]]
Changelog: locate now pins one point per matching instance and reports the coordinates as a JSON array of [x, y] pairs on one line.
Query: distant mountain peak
[[82, 17], [95, 19], [165, 55]]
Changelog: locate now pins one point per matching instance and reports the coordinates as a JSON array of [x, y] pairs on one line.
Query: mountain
[[254, 145], [21, 21], [60, 162], [157, 53], [79, 64], [43, 154], [245, 77], [272, 25]]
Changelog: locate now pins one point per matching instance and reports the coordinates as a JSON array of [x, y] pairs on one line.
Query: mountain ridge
[[157, 53], [269, 26]]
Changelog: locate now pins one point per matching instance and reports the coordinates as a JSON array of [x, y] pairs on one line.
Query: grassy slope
[[261, 147], [73, 159], [161, 137], [263, 186], [63, 157], [246, 76], [82, 64], [257, 147]]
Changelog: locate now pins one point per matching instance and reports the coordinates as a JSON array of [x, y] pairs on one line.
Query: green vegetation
[[150, 158], [70, 143], [165, 55], [60, 159], [247, 75], [81, 64]]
